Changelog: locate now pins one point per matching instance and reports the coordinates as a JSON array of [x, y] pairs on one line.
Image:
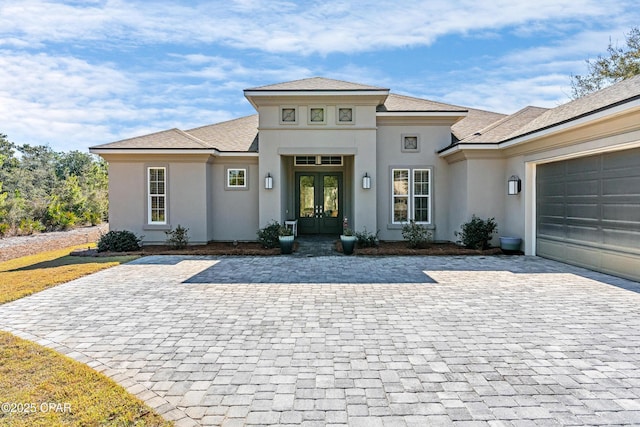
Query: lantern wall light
[[268, 181], [366, 181], [514, 185]]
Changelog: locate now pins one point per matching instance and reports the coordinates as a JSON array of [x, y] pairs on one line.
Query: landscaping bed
[[256, 249], [433, 249]]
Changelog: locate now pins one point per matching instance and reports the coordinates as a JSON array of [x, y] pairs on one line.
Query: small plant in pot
[[285, 237], [348, 241]]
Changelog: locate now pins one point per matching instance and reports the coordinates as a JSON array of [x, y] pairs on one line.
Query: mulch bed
[[254, 248]]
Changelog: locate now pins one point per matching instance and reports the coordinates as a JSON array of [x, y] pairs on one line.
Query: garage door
[[588, 212]]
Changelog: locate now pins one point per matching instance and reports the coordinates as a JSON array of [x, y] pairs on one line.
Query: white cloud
[[301, 27]]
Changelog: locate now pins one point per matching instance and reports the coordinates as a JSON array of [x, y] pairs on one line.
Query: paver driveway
[[374, 342]]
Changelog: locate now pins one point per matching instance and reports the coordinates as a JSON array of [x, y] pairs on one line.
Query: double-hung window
[[157, 195], [411, 195]]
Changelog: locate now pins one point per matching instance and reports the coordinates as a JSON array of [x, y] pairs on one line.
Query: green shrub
[[178, 238], [268, 236], [29, 226], [285, 231], [416, 235], [367, 239], [477, 233], [4, 228], [119, 241]]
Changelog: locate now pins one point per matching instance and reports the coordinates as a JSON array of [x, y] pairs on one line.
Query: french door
[[319, 202]]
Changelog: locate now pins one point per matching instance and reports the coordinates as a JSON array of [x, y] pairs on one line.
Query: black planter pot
[[286, 244], [348, 243]]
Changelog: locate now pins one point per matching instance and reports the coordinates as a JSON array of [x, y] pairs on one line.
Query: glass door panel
[[307, 196], [319, 202], [331, 203]]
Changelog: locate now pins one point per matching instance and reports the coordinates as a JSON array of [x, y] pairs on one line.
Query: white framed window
[[236, 178], [411, 195], [157, 195]]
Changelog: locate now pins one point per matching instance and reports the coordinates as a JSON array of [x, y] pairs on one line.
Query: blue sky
[[79, 73]]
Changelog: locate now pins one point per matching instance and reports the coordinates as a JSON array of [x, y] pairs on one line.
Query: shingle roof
[[405, 103], [474, 121], [167, 139], [234, 135], [619, 92], [316, 84], [499, 130]]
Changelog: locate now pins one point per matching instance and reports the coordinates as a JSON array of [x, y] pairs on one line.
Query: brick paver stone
[[390, 341]]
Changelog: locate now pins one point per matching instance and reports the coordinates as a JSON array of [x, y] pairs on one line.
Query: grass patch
[[24, 276], [39, 387], [63, 392]]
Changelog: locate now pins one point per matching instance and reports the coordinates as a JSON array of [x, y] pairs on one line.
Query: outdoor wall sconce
[[268, 181], [515, 185], [366, 181]]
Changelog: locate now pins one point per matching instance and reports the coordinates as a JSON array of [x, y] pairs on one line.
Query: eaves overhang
[[210, 151], [254, 95]]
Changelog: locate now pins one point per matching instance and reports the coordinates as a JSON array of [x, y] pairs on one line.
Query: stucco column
[[270, 201], [364, 200]]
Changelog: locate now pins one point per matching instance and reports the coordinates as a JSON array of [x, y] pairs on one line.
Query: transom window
[[318, 161], [236, 178], [157, 195], [411, 195]]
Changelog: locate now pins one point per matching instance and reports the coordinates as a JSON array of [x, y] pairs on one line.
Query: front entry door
[[319, 202]]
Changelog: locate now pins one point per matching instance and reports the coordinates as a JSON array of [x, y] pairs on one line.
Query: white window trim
[[149, 196], [411, 196], [227, 183]]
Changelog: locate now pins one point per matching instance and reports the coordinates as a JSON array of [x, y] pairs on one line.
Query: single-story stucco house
[[320, 150]]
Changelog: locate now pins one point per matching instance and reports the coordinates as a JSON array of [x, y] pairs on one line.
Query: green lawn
[[39, 387]]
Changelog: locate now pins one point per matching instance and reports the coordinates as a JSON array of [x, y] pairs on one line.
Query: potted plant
[[348, 241], [285, 236]]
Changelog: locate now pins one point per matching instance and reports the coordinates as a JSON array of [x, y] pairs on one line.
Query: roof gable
[[504, 127], [233, 135]]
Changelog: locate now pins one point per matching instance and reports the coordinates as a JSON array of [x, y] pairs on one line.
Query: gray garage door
[[588, 212]]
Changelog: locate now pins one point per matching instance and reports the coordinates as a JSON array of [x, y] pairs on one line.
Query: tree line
[[45, 190]]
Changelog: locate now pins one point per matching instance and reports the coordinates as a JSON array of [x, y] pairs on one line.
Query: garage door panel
[[583, 166], [589, 187], [552, 209], [582, 211], [621, 212], [627, 186], [588, 212], [627, 159], [626, 238], [583, 233]]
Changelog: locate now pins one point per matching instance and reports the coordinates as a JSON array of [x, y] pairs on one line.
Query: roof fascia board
[[210, 151], [467, 146], [329, 92], [462, 113]]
